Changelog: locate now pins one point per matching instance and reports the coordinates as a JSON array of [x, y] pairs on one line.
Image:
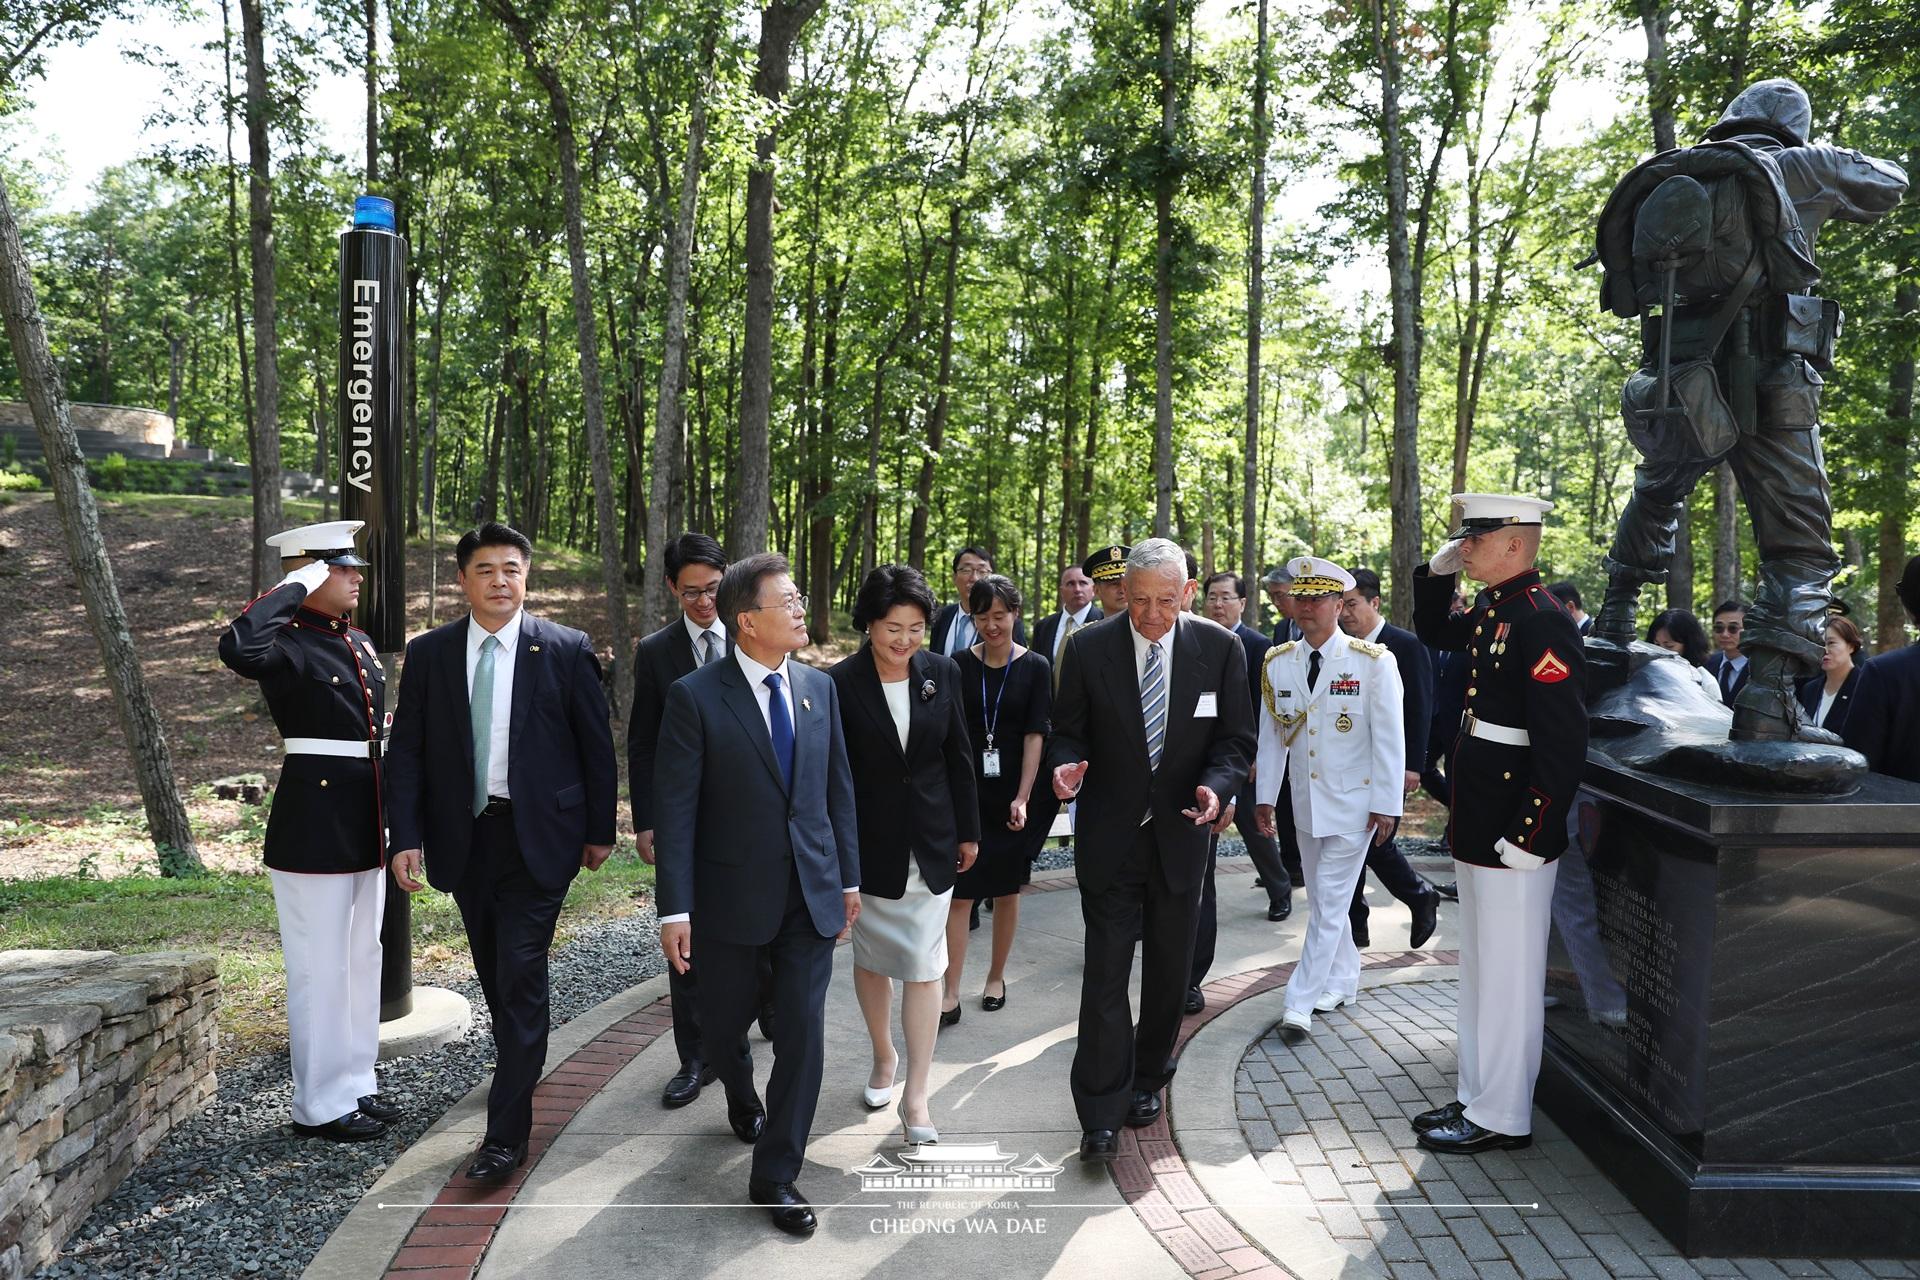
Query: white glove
[[311, 576], [1449, 559], [1517, 858]]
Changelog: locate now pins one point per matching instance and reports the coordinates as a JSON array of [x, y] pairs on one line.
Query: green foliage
[[19, 482], [110, 473]]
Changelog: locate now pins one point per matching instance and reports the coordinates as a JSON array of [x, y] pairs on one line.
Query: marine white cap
[[1485, 512], [330, 542]]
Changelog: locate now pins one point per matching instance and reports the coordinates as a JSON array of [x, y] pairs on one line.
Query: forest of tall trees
[[864, 281]]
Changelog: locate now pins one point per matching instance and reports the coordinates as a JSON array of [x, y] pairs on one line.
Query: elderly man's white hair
[[1155, 554]]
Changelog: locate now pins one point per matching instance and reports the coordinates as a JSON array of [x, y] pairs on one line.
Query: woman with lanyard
[[1009, 696]]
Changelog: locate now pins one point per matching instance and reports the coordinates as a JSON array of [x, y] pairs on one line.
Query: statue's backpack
[[1702, 233]]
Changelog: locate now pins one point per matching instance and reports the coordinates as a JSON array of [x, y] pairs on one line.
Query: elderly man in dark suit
[[1360, 617], [1152, 730], [757, 839], [1884, 725], [516, 796]]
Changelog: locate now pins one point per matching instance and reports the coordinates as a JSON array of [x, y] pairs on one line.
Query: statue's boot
[[1619, 614], [1765, 709]]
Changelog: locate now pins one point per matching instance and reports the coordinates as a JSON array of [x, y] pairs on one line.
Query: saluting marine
[[1514, 770], [327, 692], [1333, 725]]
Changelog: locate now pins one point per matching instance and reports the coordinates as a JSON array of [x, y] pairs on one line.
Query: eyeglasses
[[697, 594], [1214, 597], [792, 604], [1727, 628]]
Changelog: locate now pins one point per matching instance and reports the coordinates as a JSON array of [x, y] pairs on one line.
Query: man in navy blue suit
[[952, 629], [1884, 725], [759, 855], [517, 795], [1360, 617]]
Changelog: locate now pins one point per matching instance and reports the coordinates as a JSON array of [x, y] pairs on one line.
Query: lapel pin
[[806, 704], [533, 648], [927, 690]]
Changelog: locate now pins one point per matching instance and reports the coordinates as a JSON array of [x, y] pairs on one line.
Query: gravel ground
[[233, 1193]]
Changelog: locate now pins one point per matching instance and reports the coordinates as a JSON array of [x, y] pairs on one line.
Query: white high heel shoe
[[918, 1135], [878, 1099]]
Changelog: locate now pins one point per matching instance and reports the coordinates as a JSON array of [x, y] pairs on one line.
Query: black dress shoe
[[1259, 882], [1144, 1111], [495, 1160], [788, 1207], [1099, 1144], [1464, 1137], [950, 1016], [380, 1109], [1426, 916], [1438, 1116], [747, 1122], [1195, 1001], [351, 1127], [686, 1083], [993, 1004], [1280, 912], [1450, 890], [1361, 938]]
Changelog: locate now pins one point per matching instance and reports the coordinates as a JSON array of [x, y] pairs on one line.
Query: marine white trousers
[[1329, 962], [330, 937], [1504, 918]]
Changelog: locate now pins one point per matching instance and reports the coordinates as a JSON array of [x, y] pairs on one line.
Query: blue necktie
[[480, 717], [780, 724]]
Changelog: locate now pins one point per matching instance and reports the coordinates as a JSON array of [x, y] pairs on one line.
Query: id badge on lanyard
[[990, 758], [990, 763]]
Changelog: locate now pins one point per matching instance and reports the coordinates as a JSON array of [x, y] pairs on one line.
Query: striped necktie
[[1153, 705], [709, 650]]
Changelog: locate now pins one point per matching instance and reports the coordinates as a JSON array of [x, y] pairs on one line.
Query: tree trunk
[[1726, 534], [1654, 19], [942, 402], [1680, 576], [1896, 461], [1166, 181], [372, 10], [265, 438], [1256, 297], [668, 479], [1404, 471], [87, 554], [780, 22], [260, 531], [593, 404]]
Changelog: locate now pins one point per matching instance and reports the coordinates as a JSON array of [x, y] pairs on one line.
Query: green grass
[[232, 916], [238, 507]]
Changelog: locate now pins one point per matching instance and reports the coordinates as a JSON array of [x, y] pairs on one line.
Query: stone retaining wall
[[101, 1055]]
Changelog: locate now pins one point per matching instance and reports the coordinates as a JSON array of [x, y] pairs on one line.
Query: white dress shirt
[[757, 681], [503, 659], [1140, 644], [1060, 636], [694, 632]]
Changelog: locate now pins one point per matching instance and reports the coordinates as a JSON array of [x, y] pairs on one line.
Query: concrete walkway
[[1222, 1186]]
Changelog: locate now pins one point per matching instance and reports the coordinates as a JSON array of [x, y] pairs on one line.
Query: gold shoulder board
[[1368, 647]]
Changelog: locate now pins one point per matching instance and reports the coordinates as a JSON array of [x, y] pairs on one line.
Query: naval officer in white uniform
[[1331, 712]]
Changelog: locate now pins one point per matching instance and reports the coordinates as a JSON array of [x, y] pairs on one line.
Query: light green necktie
[[480, 713]]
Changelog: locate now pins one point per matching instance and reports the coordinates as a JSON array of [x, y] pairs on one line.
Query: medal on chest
[[1344, 724], [1345, 687]]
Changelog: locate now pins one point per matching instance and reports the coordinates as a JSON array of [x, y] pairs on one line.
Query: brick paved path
[[1328, 1123]]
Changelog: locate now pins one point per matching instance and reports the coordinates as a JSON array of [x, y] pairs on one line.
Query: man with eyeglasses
[[952, 629], [693, 564], [1729, 667], [759, 857]]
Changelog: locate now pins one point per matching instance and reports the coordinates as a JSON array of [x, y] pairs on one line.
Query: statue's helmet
[[1778, 108]]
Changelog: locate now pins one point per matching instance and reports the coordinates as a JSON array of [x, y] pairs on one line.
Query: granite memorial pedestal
[[1737, 1038]]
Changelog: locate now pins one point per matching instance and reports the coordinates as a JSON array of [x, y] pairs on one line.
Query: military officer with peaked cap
[[1514, 770], [1108, 569], [1333, 728], [327, 693]]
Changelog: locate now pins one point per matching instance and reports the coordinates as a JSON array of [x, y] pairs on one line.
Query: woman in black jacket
[[1828, 696], [913, 787]]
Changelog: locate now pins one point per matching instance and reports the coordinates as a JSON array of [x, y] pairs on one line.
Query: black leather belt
[[497, 807]]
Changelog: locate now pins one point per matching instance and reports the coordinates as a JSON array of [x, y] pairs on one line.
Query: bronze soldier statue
[[1720, 238]]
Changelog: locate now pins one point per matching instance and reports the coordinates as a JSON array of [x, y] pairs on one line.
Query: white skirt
[[905, 937]]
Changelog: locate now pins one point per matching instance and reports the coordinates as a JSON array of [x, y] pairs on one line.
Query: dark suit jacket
[[1285, 629], [1416, 690], [921, 799], [1810, 689], [943, 623], [728, 834], [1257, 649], [1047, 630], [1097, 718], [660, 659], [560, 762], [1713, 664], [1883, 723]]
